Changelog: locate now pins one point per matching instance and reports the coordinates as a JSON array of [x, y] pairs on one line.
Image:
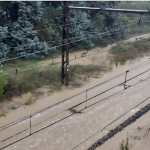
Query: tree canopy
[[26, 27]]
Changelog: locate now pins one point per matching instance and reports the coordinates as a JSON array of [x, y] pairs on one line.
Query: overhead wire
[[104, 33], [58, 62], [75, 41], [46, 29]]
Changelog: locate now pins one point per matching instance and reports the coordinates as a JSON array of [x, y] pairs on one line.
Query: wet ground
[[73, 130], [70, 132]]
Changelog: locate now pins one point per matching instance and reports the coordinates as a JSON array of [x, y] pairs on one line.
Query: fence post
[[30, 125], [86, 98], [125, 79], [16, 71]]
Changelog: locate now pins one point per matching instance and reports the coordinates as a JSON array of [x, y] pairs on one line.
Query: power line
[[47, 28], [57, 62], [94, 4], [124, 5], [35, 64], [55, 41], [61, 45], [77, 40]]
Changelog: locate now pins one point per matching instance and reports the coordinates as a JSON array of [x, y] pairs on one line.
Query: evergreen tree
[[19, 19], [21, 38], [4, 48]]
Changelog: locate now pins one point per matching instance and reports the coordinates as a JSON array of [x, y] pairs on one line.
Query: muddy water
[[136, 136], [68, 91], [75, 129]]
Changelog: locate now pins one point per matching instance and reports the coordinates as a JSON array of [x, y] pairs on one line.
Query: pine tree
[[4, 49], [21, 38]]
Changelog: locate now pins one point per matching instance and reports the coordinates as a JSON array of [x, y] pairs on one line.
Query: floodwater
[[73, 130], [138, 134], [70, 132], [47, 100]]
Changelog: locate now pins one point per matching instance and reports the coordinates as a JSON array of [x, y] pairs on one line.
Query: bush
[[3, 114], [123, 52], [28, 98], [3, 83]]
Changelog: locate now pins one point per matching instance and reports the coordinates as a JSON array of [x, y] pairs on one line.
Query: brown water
[[138, 135], [75, 129], [69, 91]]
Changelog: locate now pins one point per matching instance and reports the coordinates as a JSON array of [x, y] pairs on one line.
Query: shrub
[[78, 84], [3, 83], [124, 145], [123, 52], [3, 114], [13, 107], [28, 98], [28, 102]]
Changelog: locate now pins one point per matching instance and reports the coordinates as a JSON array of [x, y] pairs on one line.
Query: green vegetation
[[13, 107], [3, 114], [124, 145], [58, 86], [77, 84], [97, 76], [131, 21], [28, 102], [28, 97], [27, 41], [46, 77], [30, 32], [124, 51], [3, 82]]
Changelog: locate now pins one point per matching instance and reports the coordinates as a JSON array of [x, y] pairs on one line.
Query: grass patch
[[82, 70], [3, 114], [97, 76], [124, 51], [17, 63], [77, 84], [124, 145], [49, 77], [28, 97], [58, 86], [13, 107], [28, 102]]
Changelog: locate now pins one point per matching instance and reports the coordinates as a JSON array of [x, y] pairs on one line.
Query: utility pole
[[65, 33], [65, 41]]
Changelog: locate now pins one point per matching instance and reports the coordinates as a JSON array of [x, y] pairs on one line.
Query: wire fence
[[53, 114]]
